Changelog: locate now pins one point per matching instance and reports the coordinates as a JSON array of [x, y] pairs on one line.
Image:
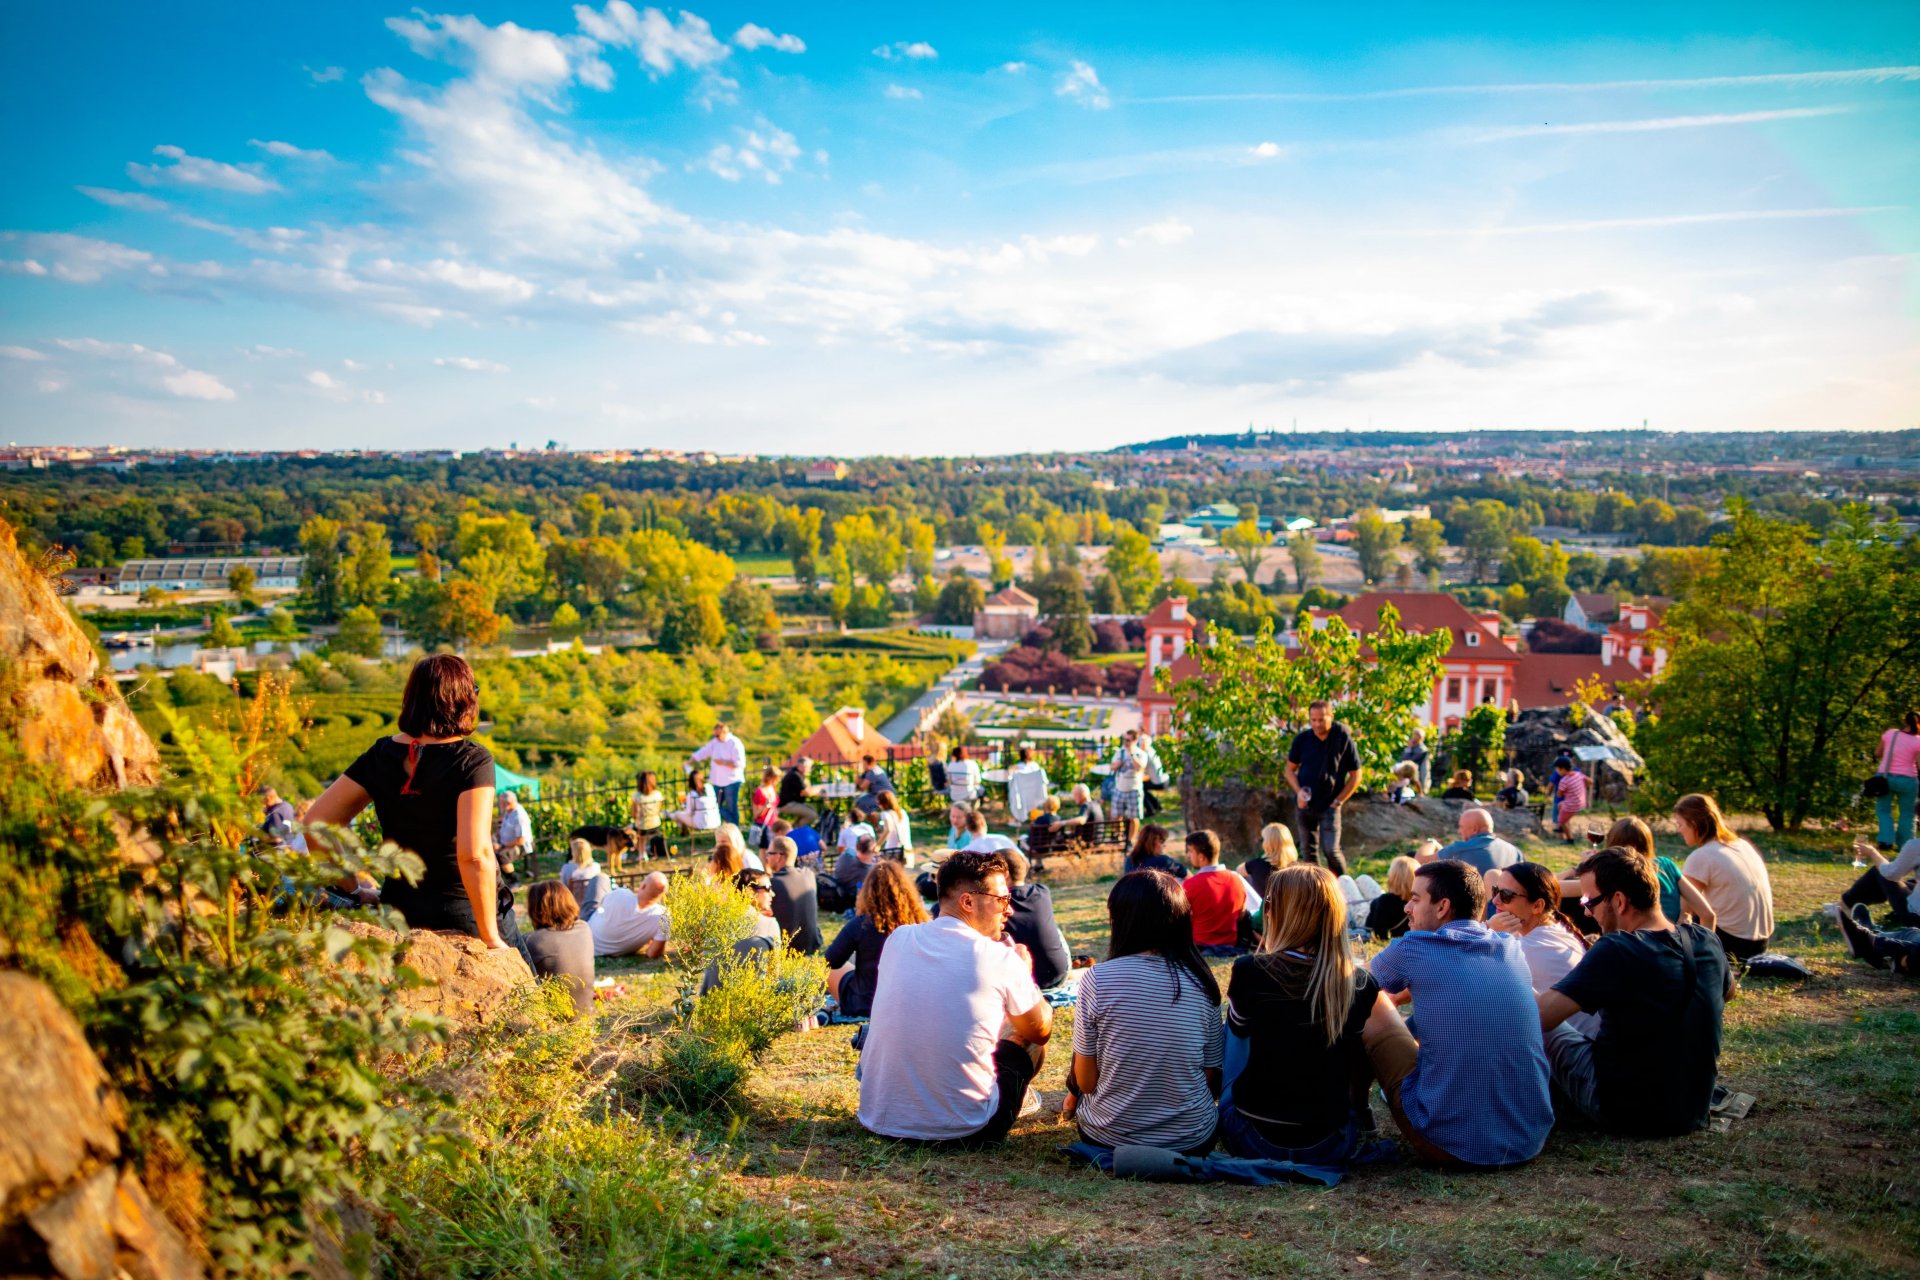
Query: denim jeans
[[1240, 1137], [1900, 795], [1320, 834], [729, 797]]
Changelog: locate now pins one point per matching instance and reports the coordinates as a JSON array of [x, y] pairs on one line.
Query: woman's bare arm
[[338, 805], [473, 846]]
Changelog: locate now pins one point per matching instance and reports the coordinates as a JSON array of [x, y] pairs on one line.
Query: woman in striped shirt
[[1147, 1040]]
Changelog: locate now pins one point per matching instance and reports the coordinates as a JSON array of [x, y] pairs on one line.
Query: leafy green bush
[[760, 998], [1479, 744], [706, 920]]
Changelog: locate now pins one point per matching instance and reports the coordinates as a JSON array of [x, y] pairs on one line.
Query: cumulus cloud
[[74, 259], [325, 75], [1267, 150], [901, 91], [287, 151], [1166, 231], [322, 379], [470, 364], [197, 171], [138, 201], [509, 56], [755, 36], [899, 50], [1015, 68], [158, 369], [765, 151], [1082, 84], [192, 384], [660, 43]]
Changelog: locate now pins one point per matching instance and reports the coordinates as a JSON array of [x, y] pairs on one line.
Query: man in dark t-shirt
[[796, 896], [1032, 924], [1323, 768], [1660, 990]]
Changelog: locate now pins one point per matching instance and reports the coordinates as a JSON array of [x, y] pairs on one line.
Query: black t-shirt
[[1324, 763], [861, 943], [1032, 925], [1657, 1054], [426, 821], [1296, 1089], [1157, 862], [796, 905], [793, 787]]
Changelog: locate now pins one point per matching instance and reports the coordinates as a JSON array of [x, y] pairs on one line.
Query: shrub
[[706, 920], [760, 998]]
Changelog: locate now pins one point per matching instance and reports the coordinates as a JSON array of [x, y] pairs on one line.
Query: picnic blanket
[[1067, 993], [1152, 1164]]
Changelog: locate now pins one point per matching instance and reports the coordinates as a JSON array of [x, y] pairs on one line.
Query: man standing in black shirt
[[1660, 990], [1323, 768]]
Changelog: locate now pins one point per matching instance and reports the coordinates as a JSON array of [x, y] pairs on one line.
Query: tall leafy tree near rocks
[[1787, 661]]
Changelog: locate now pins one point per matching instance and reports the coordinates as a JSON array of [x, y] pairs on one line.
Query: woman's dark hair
[[442, 698], [1151, 840], [1912, 721], [1149, 913], [645, 777], [696, 780], [550, 905], [1542, 885]]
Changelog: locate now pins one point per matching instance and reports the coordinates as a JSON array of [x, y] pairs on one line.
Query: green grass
[[1819, 1181], [762, 565]]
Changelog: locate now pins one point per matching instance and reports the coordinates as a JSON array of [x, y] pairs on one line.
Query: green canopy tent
[[505, 779]]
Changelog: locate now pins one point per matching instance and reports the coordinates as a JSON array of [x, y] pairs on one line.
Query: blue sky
[[856, 228]]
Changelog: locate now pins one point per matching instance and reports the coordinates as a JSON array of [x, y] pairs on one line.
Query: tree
[[501, 555], [960, 599], [1787, 660], [456, 613], [926, 594], [1480, 531], [1429, 542], [281, 624], [1373, 542], [744, 715], [690, 623], [368, 570], [922, 541], [220, 633], [1107, 595], [1235, 606], [1236, 720], [1304, 550], [800, 535], [1479, 744], [240, 581], [1248, 546], [566, 619], [359, 633], [1134, 566], [796, 721], [320, 574], [1672, 571], [994, 542], [871, 605], [748, 609], [1064, 606], [874, 551], [952, 727]]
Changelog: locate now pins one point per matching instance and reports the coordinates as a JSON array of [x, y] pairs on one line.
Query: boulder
[[466, 982], [1541, 733], [1368, 822], [68, 1206], [72, 713]]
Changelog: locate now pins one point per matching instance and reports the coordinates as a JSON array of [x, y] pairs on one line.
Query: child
[[1570, 790], [648, 800], [1406, 782]]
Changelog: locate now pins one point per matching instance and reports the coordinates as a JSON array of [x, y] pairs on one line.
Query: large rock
[[67, 1206], [1368, 822], [71, 713], [466, 983], [1542, 733]]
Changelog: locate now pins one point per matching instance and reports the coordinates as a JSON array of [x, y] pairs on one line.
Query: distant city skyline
[[800, 230]]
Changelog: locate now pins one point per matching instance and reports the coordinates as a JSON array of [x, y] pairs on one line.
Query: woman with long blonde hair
[[1297, 1069], [887, 901], [1729, 874]]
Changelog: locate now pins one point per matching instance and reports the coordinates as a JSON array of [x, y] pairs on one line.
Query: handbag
[[1877, 785]]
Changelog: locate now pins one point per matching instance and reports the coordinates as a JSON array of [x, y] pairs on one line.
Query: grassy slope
[[1818, 1181]]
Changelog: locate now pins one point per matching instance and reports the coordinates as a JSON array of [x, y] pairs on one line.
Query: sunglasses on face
[[1505, 896], [1587, 904], [1004, 899]]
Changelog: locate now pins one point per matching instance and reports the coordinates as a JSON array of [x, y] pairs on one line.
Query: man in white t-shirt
[[727, 756], [963, 778], [981, 840], [630, 923], [852, 829], [936, 1067]]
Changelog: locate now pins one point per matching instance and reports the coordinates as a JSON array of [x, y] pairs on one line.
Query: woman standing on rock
[[432, 789]]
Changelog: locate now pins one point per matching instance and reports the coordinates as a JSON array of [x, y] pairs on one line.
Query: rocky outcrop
[[466, 983], [1368, 822], [68, 1207], [71, 713], [1543, 733]]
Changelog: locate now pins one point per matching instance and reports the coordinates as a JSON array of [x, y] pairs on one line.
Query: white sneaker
[[1030, 1106]]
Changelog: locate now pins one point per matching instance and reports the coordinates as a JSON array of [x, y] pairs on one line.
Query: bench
[[1076, 840]]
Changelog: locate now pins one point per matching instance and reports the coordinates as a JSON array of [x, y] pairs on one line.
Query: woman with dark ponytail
[[1147, 1037], [1526, 896]]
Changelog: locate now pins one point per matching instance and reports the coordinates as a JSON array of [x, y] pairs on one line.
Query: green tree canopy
[[1373, 542], [1248, 546], [1303, 549]]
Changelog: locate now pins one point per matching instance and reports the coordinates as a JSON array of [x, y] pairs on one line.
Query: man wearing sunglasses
[[958, 1027], [1660, 990]]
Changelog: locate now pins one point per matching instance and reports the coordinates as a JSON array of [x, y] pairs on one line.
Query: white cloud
[[1658, 124], [196, 171], [322, 379], [50, 385], [272, 353], [509, 56], [901, 91], [1267, 150], [192, 384], [470, 364], [765, 150], [755, 36], [1166, 231], [75, 259], [918, 50], [287, 151], [352, 366], [1082, 84], [1015, 68], [138, 201], [325, 75], [22, 353], [660, 43]]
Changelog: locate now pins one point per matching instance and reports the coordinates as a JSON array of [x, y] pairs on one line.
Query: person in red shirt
[[1218, 896]]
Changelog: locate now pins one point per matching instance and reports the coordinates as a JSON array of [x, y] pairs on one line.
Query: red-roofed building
[[1629, 640], [1169, 630], [1006, 615], [1549, 679], [1480, 667], [843, 738]]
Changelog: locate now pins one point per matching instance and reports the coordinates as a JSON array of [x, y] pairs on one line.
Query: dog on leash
[[608, 840]]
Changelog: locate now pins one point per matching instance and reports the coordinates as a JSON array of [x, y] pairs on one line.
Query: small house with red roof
[[843, 738], [1006, 615]]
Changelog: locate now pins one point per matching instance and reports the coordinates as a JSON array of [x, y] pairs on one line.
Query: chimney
[[856, 721]]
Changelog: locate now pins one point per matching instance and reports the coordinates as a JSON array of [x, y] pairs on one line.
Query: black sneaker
[[1861, 939]]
